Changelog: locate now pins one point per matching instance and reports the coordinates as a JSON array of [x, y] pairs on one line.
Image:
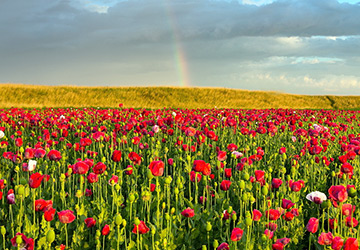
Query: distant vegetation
[[34, 96]]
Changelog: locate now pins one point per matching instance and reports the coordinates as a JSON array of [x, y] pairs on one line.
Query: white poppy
[[31, 165], [2, 134], [316, 197]]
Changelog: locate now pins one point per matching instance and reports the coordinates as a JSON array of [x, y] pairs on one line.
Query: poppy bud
[[131, 198], [242, 185], [137, 221], [264, 190], [248, 221], [118, 219], [21, 190], [230, 209], [352, 192], [216, 244], [208, 226], [19, 240], [50, 236], [246, 176], [3, 230]]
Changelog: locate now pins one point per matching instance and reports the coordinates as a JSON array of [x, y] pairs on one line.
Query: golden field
[[36, 96]]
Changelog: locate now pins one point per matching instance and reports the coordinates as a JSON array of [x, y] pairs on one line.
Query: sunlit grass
[[31, 96]]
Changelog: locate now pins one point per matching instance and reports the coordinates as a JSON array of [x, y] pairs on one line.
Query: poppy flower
[[113, 180], [223, 246], [312, 225], [348, 209], [286, 204], [273, 214], [276, 183], [141, 228], [351, 244], [228, 172], [289, 216], [316, 197], [325, 239], [157, 168], [99, 168], [221, 156], [40, 153], [225, 185], [26, 244], [35, 180], [53, 155], [194, 175], [296, 186], [92, 178], [49, 214], [135, 158], [236, 234], [105, 230], [269, 233], [66, 216], [256, 215], [188, 213], [260, 176], [337, 243], [10, 197], [338, 193], [351, 221], [116, 156], [90, 222]]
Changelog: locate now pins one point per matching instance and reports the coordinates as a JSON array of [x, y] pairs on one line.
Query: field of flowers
[[179, 179]]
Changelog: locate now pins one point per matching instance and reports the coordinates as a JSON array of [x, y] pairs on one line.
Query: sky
[[301, 47]]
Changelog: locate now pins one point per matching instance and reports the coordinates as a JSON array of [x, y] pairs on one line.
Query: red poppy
[[221, 156], [338, 193], [286, 204], [81, 167], [337, 243], [53, 155], [351, 244], [90, 222], [228, 172], [105, 230], [157, 168], [223, 246], [141, 228], [135, 158], [49, 214], [312, 225], [351, 221], [273, 214], [188, 213], [289, 216], [92, 178], [236, 234], [26, 244], [35, 180], [348, 209], [260, 176], [113, 180], [194, 175], [99, 168], [225, 185], [276, 183], [325, 239], [116, 156], [66, 216], [256, 215]]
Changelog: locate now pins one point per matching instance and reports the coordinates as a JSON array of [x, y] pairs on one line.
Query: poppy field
[[125, 178]]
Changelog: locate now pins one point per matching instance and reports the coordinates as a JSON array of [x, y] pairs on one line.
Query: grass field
[[35, 96]]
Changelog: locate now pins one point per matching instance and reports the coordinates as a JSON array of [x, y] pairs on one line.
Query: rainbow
[[179, 51]]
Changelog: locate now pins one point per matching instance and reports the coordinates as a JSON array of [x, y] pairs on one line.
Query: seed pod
[[118, 219], [208, 226]]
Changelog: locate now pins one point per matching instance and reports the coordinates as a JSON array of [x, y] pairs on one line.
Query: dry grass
[[31, 96]]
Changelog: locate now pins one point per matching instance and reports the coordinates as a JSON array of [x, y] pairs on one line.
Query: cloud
[[262, 44]]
